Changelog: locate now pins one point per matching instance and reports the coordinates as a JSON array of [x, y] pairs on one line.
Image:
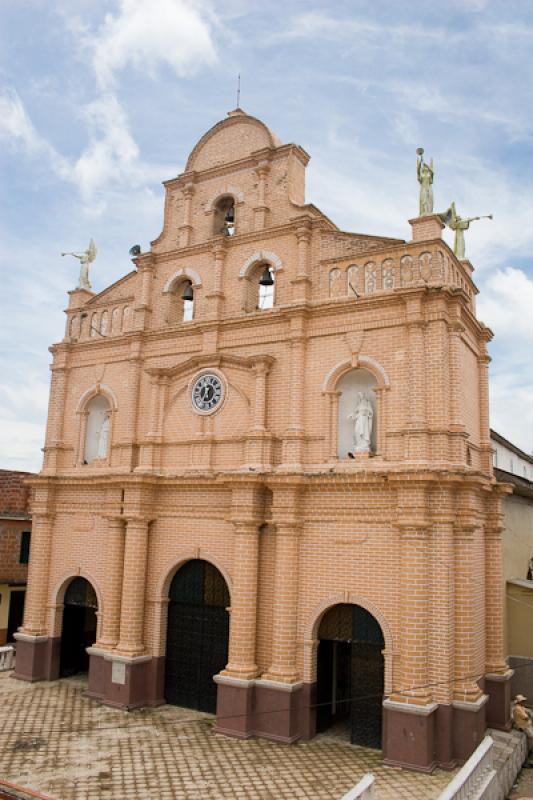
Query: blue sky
[[101, 101]]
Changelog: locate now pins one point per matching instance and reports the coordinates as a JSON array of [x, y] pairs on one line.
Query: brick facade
[[15, 519], [261, 487]]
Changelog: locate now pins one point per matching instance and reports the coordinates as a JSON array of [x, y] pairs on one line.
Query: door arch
[[350, 673], [197, 635], [78, 631]]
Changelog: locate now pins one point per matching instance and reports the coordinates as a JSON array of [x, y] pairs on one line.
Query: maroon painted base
[[37, 659], [140, 683], [499, 690], [409, 738], [258, 708]]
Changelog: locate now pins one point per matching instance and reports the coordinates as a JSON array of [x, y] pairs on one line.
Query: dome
[[233, 138]]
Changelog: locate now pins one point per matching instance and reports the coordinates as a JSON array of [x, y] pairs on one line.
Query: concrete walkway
[[58, 742]]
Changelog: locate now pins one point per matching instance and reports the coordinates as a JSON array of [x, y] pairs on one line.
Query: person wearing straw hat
[[522, 718]]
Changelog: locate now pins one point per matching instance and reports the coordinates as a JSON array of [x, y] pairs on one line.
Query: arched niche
[[357, 411], [97, 429]]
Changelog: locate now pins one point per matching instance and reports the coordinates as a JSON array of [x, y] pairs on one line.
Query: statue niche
[[357, 419], [97, 430]]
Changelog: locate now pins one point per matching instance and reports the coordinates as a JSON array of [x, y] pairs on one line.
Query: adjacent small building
[[15, 534], [513, 466]]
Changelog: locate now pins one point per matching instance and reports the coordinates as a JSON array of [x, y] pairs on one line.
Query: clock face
[[207, 393]]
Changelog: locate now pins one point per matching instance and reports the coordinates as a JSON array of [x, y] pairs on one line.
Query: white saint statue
[[362, 416], [103, 438], [424, 173]]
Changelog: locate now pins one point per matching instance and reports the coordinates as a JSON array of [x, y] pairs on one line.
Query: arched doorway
[[350, 674], [197, 635], [79, 627]]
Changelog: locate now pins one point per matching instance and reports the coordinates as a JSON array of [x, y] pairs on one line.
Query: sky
[[102, 100]]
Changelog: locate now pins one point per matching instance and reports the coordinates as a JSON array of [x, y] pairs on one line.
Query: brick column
[[294, 434], [455, 388], [484, 423], [332, 445], [129, 411], [497, 674], [414, 611], [215, 297], [441, 618], [242, 643], [261, 209], [416, 415], [133, 587], [302, 282], [36, 603], [287, 523], [56, 413], [185, 228], [114, 560]]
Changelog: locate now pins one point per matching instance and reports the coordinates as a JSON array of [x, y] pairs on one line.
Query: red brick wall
[[14, 502]]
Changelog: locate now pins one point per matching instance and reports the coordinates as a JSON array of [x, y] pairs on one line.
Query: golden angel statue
[[85, 258]]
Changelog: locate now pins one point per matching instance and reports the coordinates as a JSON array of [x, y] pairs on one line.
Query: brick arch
[[163, 585], [228, 191], [183, 272], [94, 391], [363, 362], [159, 600], [58, 595], [312, 626], [258, 257]]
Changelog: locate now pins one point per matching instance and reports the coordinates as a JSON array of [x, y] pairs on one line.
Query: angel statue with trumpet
[[460, 225], [85, 258]]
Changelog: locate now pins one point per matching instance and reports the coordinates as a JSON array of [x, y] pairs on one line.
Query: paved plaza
[[58, 742]]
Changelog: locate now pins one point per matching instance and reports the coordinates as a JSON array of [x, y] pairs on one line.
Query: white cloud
[[146, 35], [505, 305], [112, 152]]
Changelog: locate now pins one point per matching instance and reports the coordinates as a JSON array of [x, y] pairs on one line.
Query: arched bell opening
[[197, 635], [260, 283], [224, 217], [78, 631], [350, 675]]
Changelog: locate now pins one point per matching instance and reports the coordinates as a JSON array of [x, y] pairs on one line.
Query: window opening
[[24, 555]]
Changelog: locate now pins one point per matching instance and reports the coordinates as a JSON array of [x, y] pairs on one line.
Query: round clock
[[207, 393]]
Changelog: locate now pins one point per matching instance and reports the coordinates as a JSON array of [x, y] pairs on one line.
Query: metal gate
[[350, 674], [197, 635], [79, 627], [367, 679]]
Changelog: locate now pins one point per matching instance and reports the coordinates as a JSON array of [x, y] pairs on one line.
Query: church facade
[[267, 488]]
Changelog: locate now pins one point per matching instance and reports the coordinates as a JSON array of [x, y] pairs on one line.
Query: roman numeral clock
[[207, 393]]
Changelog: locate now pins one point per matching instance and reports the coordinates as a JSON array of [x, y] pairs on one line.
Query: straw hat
[[520, 698]]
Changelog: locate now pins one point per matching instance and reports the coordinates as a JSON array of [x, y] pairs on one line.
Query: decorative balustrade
[[7, 658], [364, 789], [430, 266], [477, 779]]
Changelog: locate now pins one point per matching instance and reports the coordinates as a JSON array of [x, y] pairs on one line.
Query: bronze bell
[[188, 293], [267, 278]]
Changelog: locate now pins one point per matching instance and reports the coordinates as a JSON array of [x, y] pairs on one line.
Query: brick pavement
[[56, 741]]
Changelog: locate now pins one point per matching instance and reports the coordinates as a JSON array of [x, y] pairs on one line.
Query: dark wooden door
[[16, 613], [79, 627], [197, 636]]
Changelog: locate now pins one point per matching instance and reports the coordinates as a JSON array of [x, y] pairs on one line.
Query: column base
[[499, 689], [37, 657], [469, 726], [271, 710], [409, 735], [127, 683]]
